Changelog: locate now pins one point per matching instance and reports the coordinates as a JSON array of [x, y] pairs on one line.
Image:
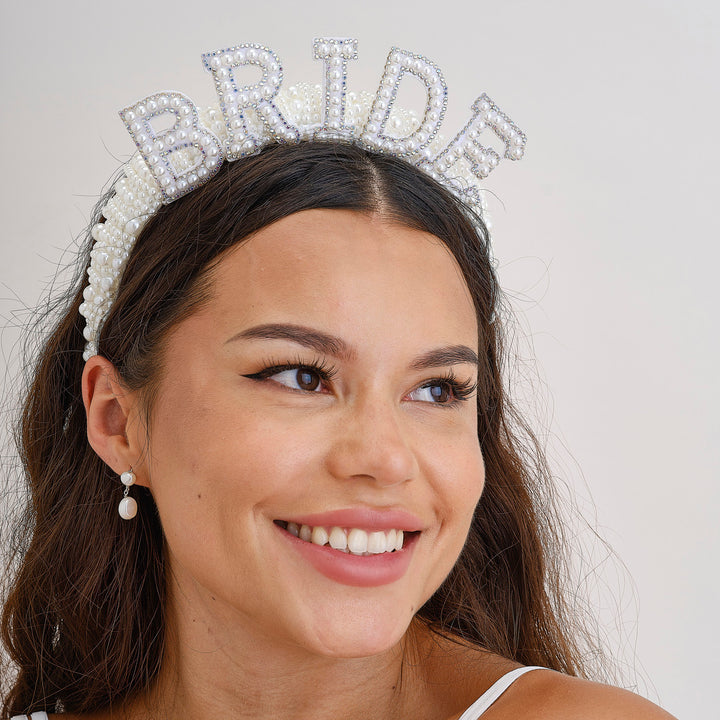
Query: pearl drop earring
[[128, 506]]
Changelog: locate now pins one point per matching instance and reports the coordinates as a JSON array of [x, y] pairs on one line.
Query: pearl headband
[[173, 162]]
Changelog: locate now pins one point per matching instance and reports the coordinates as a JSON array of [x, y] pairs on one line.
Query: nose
[[371, 443]]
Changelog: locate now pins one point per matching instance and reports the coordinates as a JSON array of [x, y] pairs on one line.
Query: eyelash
[[460, 390], [325, 371]]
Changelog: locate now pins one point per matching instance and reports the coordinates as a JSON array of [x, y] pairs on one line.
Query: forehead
[[348, 272]]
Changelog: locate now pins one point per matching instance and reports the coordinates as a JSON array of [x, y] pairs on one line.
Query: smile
[[354, 541]]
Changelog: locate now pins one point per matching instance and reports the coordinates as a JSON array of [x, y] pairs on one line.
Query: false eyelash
[[326, 371], [461, 389]]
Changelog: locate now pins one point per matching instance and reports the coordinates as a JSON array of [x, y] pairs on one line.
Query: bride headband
[[172, 162]]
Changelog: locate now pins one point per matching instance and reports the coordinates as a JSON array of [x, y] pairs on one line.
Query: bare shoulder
[[462, 674], [554, 695]]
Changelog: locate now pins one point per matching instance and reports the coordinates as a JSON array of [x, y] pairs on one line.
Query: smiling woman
[[329, 427], [299, 382]]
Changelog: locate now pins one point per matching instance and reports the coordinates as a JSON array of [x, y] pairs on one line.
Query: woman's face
[[328, 382]]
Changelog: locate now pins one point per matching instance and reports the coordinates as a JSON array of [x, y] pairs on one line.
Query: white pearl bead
[[127, 478], [303, 109], [127, 508]]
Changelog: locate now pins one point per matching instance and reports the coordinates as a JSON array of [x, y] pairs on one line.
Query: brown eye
[[300, 377], [440, 393], [304, 378], [307, 379]]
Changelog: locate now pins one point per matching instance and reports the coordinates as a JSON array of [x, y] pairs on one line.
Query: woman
[[327, 511]]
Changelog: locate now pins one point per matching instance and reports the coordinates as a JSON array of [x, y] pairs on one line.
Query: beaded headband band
[[172, 162]]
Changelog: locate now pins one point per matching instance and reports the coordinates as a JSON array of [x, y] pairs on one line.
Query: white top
[[492, 693], [472, 713]]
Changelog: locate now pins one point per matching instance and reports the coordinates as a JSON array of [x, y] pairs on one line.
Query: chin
[[357, 634]]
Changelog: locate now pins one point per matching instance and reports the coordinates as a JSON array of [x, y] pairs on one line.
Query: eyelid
[[461, 390], [272, 367], [290, 379]]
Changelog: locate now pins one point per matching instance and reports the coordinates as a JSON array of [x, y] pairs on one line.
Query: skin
[[253, 629]]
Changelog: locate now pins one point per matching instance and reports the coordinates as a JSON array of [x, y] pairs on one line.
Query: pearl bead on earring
[[128, 506]]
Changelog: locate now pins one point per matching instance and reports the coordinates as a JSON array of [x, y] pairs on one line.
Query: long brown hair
[[84, 618]]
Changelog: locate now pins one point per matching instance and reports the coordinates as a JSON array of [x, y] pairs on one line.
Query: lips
[[363, 548]]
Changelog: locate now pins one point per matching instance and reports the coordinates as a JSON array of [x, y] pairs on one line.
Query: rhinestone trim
[[172, 162]]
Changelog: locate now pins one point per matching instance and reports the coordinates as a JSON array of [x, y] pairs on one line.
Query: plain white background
[[606, 233]]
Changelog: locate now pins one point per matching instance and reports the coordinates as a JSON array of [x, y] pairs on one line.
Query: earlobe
[[112, 416]]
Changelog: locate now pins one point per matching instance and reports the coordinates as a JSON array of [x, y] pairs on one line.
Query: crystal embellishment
[[237, 101], [335, 53], [374, 133], [172, 162], [176, 173]]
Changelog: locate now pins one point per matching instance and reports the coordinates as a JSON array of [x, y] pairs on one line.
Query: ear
[[114, 428]]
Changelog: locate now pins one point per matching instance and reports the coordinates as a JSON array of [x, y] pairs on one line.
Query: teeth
[[338, 539], [354, 540], [357, 541], [377, 543], [319, 536]]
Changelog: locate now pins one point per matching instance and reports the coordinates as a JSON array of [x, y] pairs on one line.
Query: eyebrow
[[331, 345], [308, 337], [440, 357]]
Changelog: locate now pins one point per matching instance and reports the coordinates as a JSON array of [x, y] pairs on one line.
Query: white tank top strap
[[34, 716], [494, 692]]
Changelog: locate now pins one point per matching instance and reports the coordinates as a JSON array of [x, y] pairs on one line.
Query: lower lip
[[355, 570]]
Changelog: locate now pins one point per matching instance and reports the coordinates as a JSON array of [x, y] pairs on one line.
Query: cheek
[[188, 458], [214, 457], [458, 485], [467, 486], [459, 469]]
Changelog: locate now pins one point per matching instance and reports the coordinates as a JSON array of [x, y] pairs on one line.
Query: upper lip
[[365, 518]]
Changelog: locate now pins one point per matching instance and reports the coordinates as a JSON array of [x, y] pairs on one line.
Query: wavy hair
[[83, 621]]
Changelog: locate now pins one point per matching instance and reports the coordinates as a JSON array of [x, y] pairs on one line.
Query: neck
[[217, 665]]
